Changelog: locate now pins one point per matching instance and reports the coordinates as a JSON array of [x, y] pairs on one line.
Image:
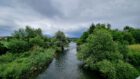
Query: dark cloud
[[53, 15], [42, 6]]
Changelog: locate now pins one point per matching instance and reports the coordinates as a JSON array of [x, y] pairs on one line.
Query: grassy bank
[[134, 55], [24, 65]]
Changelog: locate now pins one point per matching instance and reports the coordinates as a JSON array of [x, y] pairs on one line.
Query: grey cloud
[[53, 15], [42, 6]]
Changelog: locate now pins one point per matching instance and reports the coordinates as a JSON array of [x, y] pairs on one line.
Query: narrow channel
[[66, 66]]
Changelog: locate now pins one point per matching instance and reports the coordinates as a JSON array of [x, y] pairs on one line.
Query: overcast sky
[[71, 16]]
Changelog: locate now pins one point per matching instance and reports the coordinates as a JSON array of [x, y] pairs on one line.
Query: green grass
[[134, 49], [134, 55], [21, 65]]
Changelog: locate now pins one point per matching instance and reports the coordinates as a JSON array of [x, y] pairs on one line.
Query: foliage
[[107, 69], [36, 41], [117, 35], [102, 53], [120, 70], [91, 28], [61, 40], [25, 39], [17, 46], [134, 54], [100, 46], [127, 36], [8, 57], [3, 49], [125, 71], [27, 33], [18, 67], [136, 35], [28, 51]]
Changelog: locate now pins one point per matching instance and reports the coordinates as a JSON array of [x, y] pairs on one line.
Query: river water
[[66, 66]]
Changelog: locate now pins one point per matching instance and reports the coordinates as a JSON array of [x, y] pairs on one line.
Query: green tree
[[17, 46], [61, 39], [3, 49], [27, 33], [37, 41], [128, 37], [100, 46], [136, 35], [91, 28]]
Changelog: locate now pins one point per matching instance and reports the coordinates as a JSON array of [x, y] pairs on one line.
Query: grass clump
[[26, 64]]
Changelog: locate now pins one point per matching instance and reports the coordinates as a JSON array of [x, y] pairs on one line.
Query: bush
[[120, 70], [36, 41], [102, 45], [134, 54], [107, 69], [24, 66], [102, 54], [83, 52], [18, 46], [8, 57], [126, 71], [99, 46], [3, 49]]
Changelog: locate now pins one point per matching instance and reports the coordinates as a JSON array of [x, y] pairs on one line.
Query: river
[[66, 66]]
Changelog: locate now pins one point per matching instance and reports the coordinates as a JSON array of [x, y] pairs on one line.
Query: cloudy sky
[[71, 16]]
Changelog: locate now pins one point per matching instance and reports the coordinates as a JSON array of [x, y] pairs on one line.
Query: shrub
[[8, 57], [120, 70], [102, 54], [134, 54], [99, 46], [102, 45], [107, 69], [3, 49], [24, 66], [83, 52], [125, 71], [18, 46], [36, 41]]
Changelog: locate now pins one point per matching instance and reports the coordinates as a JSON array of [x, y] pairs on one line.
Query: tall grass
[[134, 54], [135, 47], [24, 65]]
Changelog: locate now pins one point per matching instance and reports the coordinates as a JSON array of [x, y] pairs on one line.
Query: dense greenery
[[3, 49], [134, 54], [23, 65], [61, 40], [128, 35], [106, 51], [27, 52]]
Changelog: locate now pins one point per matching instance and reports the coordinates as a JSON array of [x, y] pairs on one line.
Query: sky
[[73, 17]]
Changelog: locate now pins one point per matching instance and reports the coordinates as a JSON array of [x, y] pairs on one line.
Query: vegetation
[[27, 52], [61, 40], [114, 54], [134, 54], [106, 51], [15, 66], [3, 49]]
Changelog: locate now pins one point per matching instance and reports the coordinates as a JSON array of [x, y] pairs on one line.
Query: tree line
[[107, 52], [28, 51]]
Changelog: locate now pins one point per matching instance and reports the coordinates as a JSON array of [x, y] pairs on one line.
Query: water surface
[[66, 66]]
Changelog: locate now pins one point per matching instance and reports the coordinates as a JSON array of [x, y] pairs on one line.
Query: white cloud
[[70, 16]]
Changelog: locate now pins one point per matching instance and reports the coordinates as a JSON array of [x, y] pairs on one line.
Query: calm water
[[66, 66]]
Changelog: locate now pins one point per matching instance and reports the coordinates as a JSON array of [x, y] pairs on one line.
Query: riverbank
[[67, 66], [25, 65]]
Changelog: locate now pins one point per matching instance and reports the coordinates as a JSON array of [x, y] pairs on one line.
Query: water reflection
[[66, 66]]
